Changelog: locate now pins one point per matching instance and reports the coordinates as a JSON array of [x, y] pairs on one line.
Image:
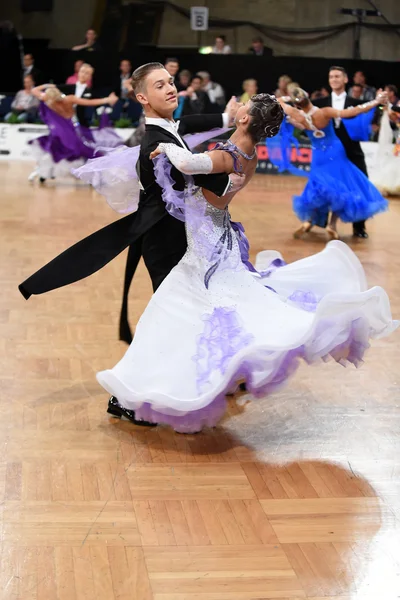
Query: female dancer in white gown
[[386, 175], [216, 321]]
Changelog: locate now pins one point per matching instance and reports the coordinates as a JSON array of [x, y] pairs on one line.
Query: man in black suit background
[[81, 89], [339, 99]]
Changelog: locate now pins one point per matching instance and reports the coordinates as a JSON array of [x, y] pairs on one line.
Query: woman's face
[[243, 110], [28, 83], [184, 79]]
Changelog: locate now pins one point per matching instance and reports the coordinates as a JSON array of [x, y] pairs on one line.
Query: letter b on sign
[[199, 18]]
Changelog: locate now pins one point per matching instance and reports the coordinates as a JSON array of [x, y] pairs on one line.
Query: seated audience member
[[393, 101], [220, 46], [184, 79], [30, 69], [368, 92], [25, 105], [320, 93], [172, 66], [283, 83], [196, 101], [250, 87], [214, 90], [125, 106], [257, 47], [91, 43], [356, 91]]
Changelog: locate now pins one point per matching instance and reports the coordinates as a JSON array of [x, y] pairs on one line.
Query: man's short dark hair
[[140, 74], [172, 59], [257, 40], [392, 88], [357, 85], [341, 69], [197, 77], [221, 37]]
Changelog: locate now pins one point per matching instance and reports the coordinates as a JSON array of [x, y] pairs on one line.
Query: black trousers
[[161, 247]]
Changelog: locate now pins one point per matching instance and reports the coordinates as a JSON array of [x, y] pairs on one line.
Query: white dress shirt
[[79, 89], [172, 127], [338, 102]]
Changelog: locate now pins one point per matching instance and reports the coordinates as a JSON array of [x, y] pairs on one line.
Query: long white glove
[[185, 161]]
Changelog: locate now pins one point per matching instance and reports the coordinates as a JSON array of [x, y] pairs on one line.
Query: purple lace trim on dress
[[222, 338], [304, 300], [349, 351]]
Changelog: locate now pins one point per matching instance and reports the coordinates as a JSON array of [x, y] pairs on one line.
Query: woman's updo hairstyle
[[299, 97], [266, 116]]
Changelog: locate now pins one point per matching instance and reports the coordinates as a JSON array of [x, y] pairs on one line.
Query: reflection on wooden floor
[[293, 496]]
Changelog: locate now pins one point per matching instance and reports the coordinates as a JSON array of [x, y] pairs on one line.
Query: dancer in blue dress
[[335, 185]]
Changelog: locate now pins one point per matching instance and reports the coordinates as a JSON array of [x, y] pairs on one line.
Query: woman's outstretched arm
[[354, 111], [216, 161]]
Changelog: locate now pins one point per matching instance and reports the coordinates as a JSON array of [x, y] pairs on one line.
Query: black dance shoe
[[119, 412], [360, 233]]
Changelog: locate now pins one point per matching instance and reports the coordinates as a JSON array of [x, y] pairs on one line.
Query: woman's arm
[[351, 112], [111, 99], [296, 118], [216, 161]]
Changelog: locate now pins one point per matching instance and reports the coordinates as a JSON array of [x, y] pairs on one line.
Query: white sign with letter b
[[199, 18]]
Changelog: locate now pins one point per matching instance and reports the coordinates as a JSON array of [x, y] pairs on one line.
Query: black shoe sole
[[119, 413]]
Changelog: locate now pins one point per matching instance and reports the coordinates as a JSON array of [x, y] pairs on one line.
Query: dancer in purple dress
[[68, 144]]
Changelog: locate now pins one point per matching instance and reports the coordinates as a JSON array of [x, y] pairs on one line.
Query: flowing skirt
[[192, 344]]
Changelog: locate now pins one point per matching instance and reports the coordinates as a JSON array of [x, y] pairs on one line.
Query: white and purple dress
[[69, 144], [217, 320]]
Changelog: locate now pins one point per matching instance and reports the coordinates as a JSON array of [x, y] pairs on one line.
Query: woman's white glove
[[184, 160]]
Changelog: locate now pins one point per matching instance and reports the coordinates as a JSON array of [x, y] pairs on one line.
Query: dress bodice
[[326, 147], [212, 242]]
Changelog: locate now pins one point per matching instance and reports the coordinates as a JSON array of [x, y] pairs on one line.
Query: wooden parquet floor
[[293, 496]]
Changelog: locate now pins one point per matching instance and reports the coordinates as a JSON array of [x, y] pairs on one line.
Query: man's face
[[125, 67], [337, 80], [219, 42], [84, 74], [196, 84], [28, 60], [28, 83], [159, 93], [359, 77], [90, 36], [257, 46], [357, 92], [391, 95], [172, 68]]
